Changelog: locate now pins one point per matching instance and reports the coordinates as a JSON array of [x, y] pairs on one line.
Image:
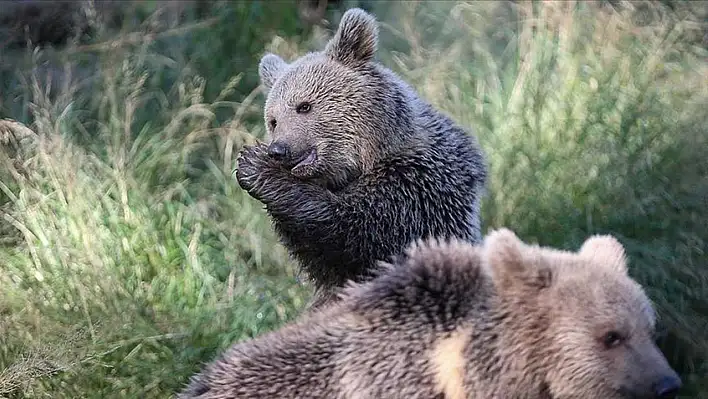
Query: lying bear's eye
[[612, 339], [272, 124], [303, 108]]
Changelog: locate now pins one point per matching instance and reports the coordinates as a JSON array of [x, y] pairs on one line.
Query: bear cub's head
[[600, 323], [330, 114]]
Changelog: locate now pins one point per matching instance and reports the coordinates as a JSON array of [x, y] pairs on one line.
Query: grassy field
[[129, 256]]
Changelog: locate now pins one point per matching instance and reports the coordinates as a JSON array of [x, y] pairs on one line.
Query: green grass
[[129, 255]]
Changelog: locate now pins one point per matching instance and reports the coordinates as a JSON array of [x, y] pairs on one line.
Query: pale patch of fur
[[448, 361]]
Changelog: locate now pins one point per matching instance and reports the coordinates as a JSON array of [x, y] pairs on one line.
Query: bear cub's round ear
[[513, 264], [606, 250], [270, 68], [356, 39], [502, 248]]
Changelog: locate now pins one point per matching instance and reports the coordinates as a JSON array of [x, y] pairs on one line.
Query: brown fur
[[502, 320]]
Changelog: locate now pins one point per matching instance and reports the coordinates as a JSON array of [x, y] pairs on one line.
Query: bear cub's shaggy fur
[[449, 320], [358, 165]]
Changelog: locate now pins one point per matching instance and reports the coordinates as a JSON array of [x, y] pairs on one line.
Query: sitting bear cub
[[358, 165], [451, 320]]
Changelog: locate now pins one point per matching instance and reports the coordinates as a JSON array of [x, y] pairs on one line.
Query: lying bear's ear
[[605, 250], [356, 39], [269, 69], [511, 265]]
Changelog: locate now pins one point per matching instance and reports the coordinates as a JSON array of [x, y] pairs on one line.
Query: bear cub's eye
[[612, 339], [303, 108], [272, 124]]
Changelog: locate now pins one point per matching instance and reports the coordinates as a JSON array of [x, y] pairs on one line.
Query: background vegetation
[[129, 256]]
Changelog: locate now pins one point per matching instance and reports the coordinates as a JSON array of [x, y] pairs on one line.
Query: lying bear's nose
[[277, 150], [667, 387]]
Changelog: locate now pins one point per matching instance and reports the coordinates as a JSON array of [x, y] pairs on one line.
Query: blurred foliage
[[129, 256]]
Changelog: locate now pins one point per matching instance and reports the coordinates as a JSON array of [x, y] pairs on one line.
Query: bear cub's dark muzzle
[[290, 156], [277, 150]]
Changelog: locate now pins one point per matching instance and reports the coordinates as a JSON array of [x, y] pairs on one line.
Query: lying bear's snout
[[667, 387]]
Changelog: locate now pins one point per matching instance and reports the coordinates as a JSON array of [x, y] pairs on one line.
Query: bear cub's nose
[[277, 150], [667, 387]]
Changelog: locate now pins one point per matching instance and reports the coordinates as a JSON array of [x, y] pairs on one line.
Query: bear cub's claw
[[259, 173], [251, 162]]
